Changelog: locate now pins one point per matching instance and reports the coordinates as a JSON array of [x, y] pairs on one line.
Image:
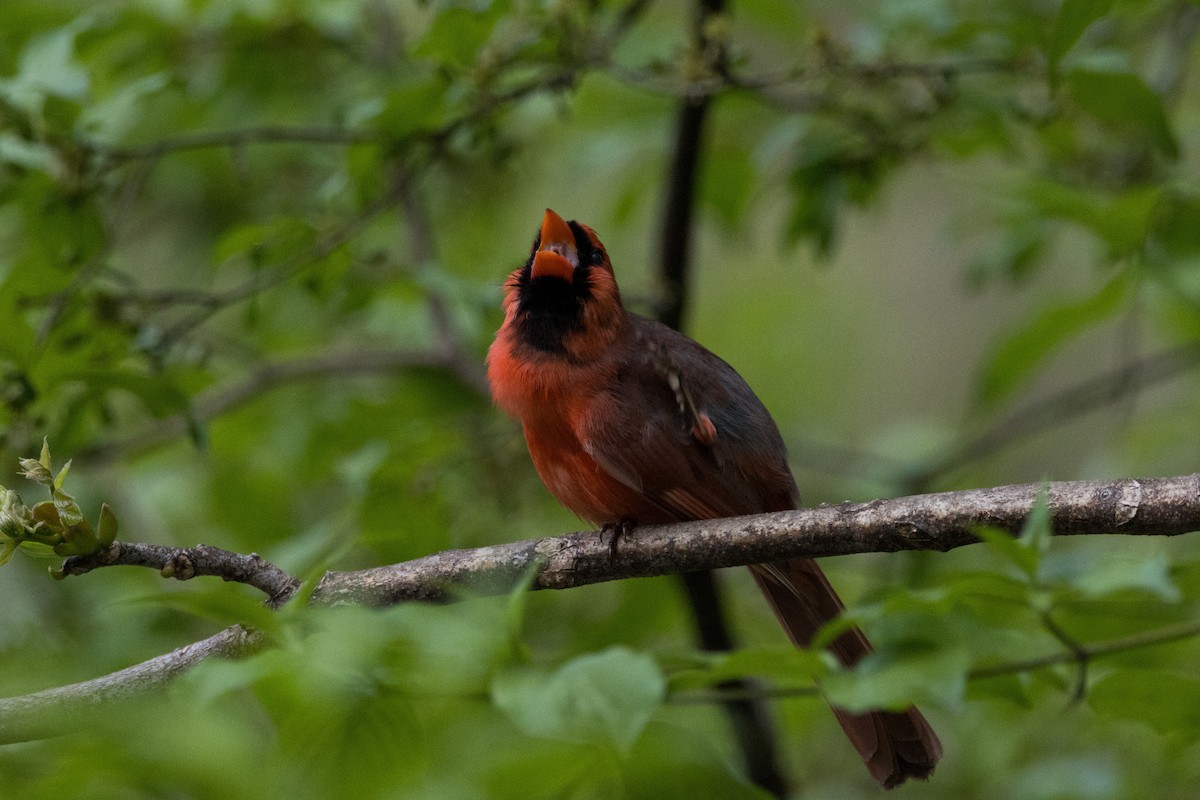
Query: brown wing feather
[[700, 446]]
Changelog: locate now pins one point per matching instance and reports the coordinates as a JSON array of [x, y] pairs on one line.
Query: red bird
[[628, 420]]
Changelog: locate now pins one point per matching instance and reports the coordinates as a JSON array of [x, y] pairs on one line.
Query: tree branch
[[944, 521], [52, 711], [1148, 507], [190, 562]]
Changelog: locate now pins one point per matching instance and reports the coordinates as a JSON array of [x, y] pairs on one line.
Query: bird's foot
[[615, 530]]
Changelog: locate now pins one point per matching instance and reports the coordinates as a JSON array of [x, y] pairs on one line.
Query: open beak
[[556, 255]]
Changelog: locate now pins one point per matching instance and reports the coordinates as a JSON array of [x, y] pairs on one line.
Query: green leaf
[[1175, 228], [1006, 545], [1017, 357], [68, 510], [17, 336], [517, 605], [44, 457], [61, 231], [783, 664], [1168, 702], [27, 154], [457, 34], [61, 477], [896, 676], [217, 677], [1074, 17], [1013, 688], [112, 116], [160, 396], [107, 533], [668, 762], [1123, 101], [7, 548], [601, 697], [78, 540], [836, 167], [48, 65], [1097, 573], [727, 184], [266, 242], [1014, 254], [1037, 530], [1122, 221], [46, 512], [411, 108], [219, 605], [1126, 221]]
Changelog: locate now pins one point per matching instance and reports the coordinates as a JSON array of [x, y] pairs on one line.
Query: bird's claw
[[615, 530]]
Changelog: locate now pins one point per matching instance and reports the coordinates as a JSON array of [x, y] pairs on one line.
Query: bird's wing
[[681, 427]]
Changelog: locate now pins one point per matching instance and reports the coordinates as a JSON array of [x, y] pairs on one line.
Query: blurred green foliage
[[250, 258]]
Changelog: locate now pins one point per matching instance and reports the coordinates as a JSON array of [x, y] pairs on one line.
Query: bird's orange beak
[[557, 255]]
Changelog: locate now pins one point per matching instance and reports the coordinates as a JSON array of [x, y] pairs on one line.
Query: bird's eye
[[597, 256]]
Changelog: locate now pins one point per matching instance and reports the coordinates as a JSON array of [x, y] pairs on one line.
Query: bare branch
[[1149, 507], [944, 521], [185, 563], [50, 712]]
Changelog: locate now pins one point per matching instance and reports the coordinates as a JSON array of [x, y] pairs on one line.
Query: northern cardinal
[[629, 421]]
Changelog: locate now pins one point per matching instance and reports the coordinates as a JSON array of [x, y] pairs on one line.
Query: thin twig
[[1123, 644], [423, 250], [1063, 406], [266, 134], [59, 301], [1080, 656], [213, 403], [324, 246], [803, 78]]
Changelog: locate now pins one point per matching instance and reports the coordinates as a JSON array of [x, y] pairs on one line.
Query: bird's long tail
[[895, 745]]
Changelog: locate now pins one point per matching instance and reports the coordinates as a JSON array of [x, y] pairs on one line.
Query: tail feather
[[894, 745]]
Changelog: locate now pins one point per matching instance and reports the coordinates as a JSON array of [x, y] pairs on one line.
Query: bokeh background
[[250, 262]]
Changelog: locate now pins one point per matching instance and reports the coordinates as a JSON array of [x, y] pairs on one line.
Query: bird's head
[[565, 299]]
